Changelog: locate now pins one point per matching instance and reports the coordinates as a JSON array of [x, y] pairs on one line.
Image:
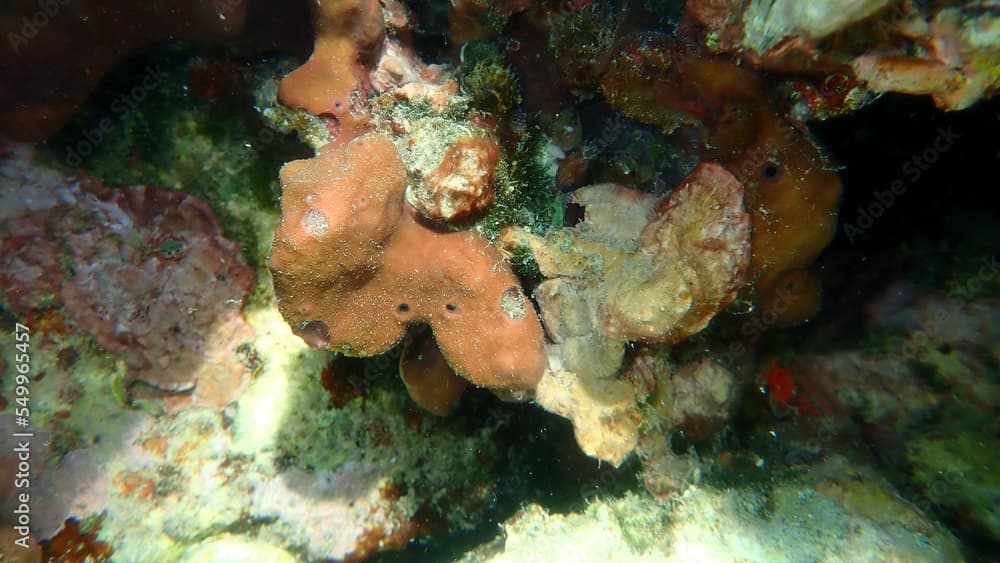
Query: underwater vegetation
[[385, 280]]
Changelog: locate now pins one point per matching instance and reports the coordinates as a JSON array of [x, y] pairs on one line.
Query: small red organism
[[781, 388], [202, 79]]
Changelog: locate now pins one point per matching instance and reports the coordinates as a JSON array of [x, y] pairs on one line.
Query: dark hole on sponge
[[574, 215], [678, 442], [403, 308], [315, 333], [771, 171], [451, 307]]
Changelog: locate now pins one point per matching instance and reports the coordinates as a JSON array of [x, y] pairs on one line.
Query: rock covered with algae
[[850, 512], [368, 474], [145, 271]]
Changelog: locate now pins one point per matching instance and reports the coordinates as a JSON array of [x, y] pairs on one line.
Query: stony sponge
[[354, 266], [793, 197], [638, 268], [642, 268], [429, 379]]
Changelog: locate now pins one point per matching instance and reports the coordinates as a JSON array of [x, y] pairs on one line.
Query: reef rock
[[145, 271], [742, 523]]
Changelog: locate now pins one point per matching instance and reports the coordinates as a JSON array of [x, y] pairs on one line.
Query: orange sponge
[[333, 83], [354, 266], [791, 193]]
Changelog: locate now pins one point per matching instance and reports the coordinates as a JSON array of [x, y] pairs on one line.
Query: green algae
[[214, 145], [525, 187], [958, 473], [487, 78]]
